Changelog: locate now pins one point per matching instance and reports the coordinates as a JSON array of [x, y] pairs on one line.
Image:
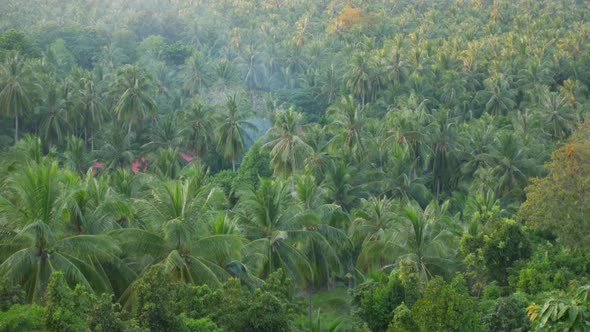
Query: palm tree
[[91, 105], [176, 234], [316, 137], [428, 237], [511, 164], [498, 96], [343, 184], [288, 149], [96, 207], [15, 88], [368, 230], [164, 134], [444, 147], [195, 74], [75, 155], [556, 112], [55, 120], [347, 126], [118, 148], [132, 90], [166, 163], [274, 229], [36, 201], [323, 243], [361, 77], [411, 130], [232, 131], [198, 130]]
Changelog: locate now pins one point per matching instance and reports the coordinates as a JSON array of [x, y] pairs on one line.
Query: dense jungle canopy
[[297, 165]]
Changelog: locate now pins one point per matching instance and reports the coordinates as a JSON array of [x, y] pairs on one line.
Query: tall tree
[[15, 88], [36, 201], [132, 92], [288, 149], [347, 127], [272, 225], [175, 233], [233, 132], [198, 128]]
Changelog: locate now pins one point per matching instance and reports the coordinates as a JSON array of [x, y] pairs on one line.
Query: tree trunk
[[15, 128], [310, 303], [437, 189], [233, 165]]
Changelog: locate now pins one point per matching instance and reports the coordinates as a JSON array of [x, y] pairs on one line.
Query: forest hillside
[[297, 165]]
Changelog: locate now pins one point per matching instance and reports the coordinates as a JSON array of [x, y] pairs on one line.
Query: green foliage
[[104, 315], [200, 325], [85, 42], [155, 300], [10, 295], [223, 180], [495, 254], [66, 310], [255, 165], [507, 314], [555, 203], [402, 320], [506, 245], [563, 313], [23, 318], [235, 308], [427, 120], [374, 302], [446, 307], [17, 41], [60, 56]]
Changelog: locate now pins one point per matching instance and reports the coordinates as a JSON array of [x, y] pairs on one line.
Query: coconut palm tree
[[498, 96], [15, 88], [175, 233], [287, 149], [444, 147], [91, 105], [132, 92], [323, 244], [426, 236], [37, 200], [195, 74], [347, 127], [55, 119], [271, 223], [118, 148], [362, 78], [232, 131], [511, 164], [198, 130], [556, 112]]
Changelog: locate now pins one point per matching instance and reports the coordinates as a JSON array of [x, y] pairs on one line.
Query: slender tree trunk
[[15, 128], [129, 128], [233, 165], [292, 172], [310, 303], [293, 193]]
